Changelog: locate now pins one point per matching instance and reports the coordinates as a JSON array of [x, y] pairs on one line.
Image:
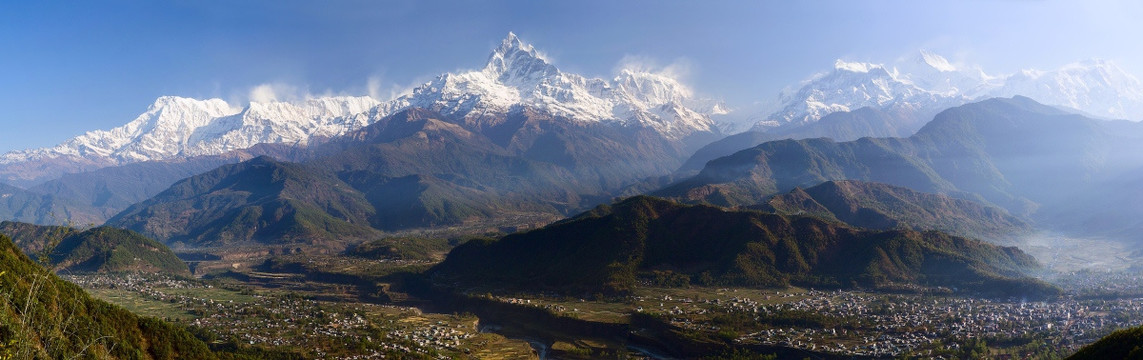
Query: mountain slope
[[1014, 153], [880, 206], [46, 317], [415, 168], [609, 248], [34, 238], [750, 176], [17, 203], [408, 170], [101, 249], [90, 198], [1121, 344], [418, 170], [890, 121], [260, 200], [106, 249], [411, 169]]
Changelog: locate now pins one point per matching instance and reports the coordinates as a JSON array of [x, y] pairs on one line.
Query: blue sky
[[67, 67]]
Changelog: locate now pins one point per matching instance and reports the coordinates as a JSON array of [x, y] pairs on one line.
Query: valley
[[312, 310]]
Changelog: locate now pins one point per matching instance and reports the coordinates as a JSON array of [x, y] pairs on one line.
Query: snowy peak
[[850, 86], [276, 122], [168, 118], [929, 82], [515, 61], [172, 110], [934, 73], [178, 103], [1098, 87], [176, 127], [315, 108], [650, 88], [856, 67], [517, 74]]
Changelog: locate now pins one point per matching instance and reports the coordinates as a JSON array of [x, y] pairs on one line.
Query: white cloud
[[378, 90], [678, 69], [276, 92], [373, 85]]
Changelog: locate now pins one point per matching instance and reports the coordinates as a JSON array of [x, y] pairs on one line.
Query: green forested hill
[[608, 249], [1122, 344], [102, 249], [257, 200], [44, 317], [33, 238]]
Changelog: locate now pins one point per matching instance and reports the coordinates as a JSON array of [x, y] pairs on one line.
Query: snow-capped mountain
[[281, 122], [518, 75], [168, 118], [177, 127], [852, 85], [927, 82], [515, 75], [1097, 87], [934, 73]]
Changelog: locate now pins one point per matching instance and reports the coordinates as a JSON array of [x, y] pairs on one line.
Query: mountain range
[[1028, 158], [606, 133], [415, 168], [927, 82], [860, 99], [613, 248], [515, 77], [189, 136], [180, 128], [520, 136]]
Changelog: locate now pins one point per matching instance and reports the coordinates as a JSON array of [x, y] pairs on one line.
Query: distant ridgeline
[[611, 249], [416, 168], [885, 207], [44, 317], [1066, 171], [102, 249]]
